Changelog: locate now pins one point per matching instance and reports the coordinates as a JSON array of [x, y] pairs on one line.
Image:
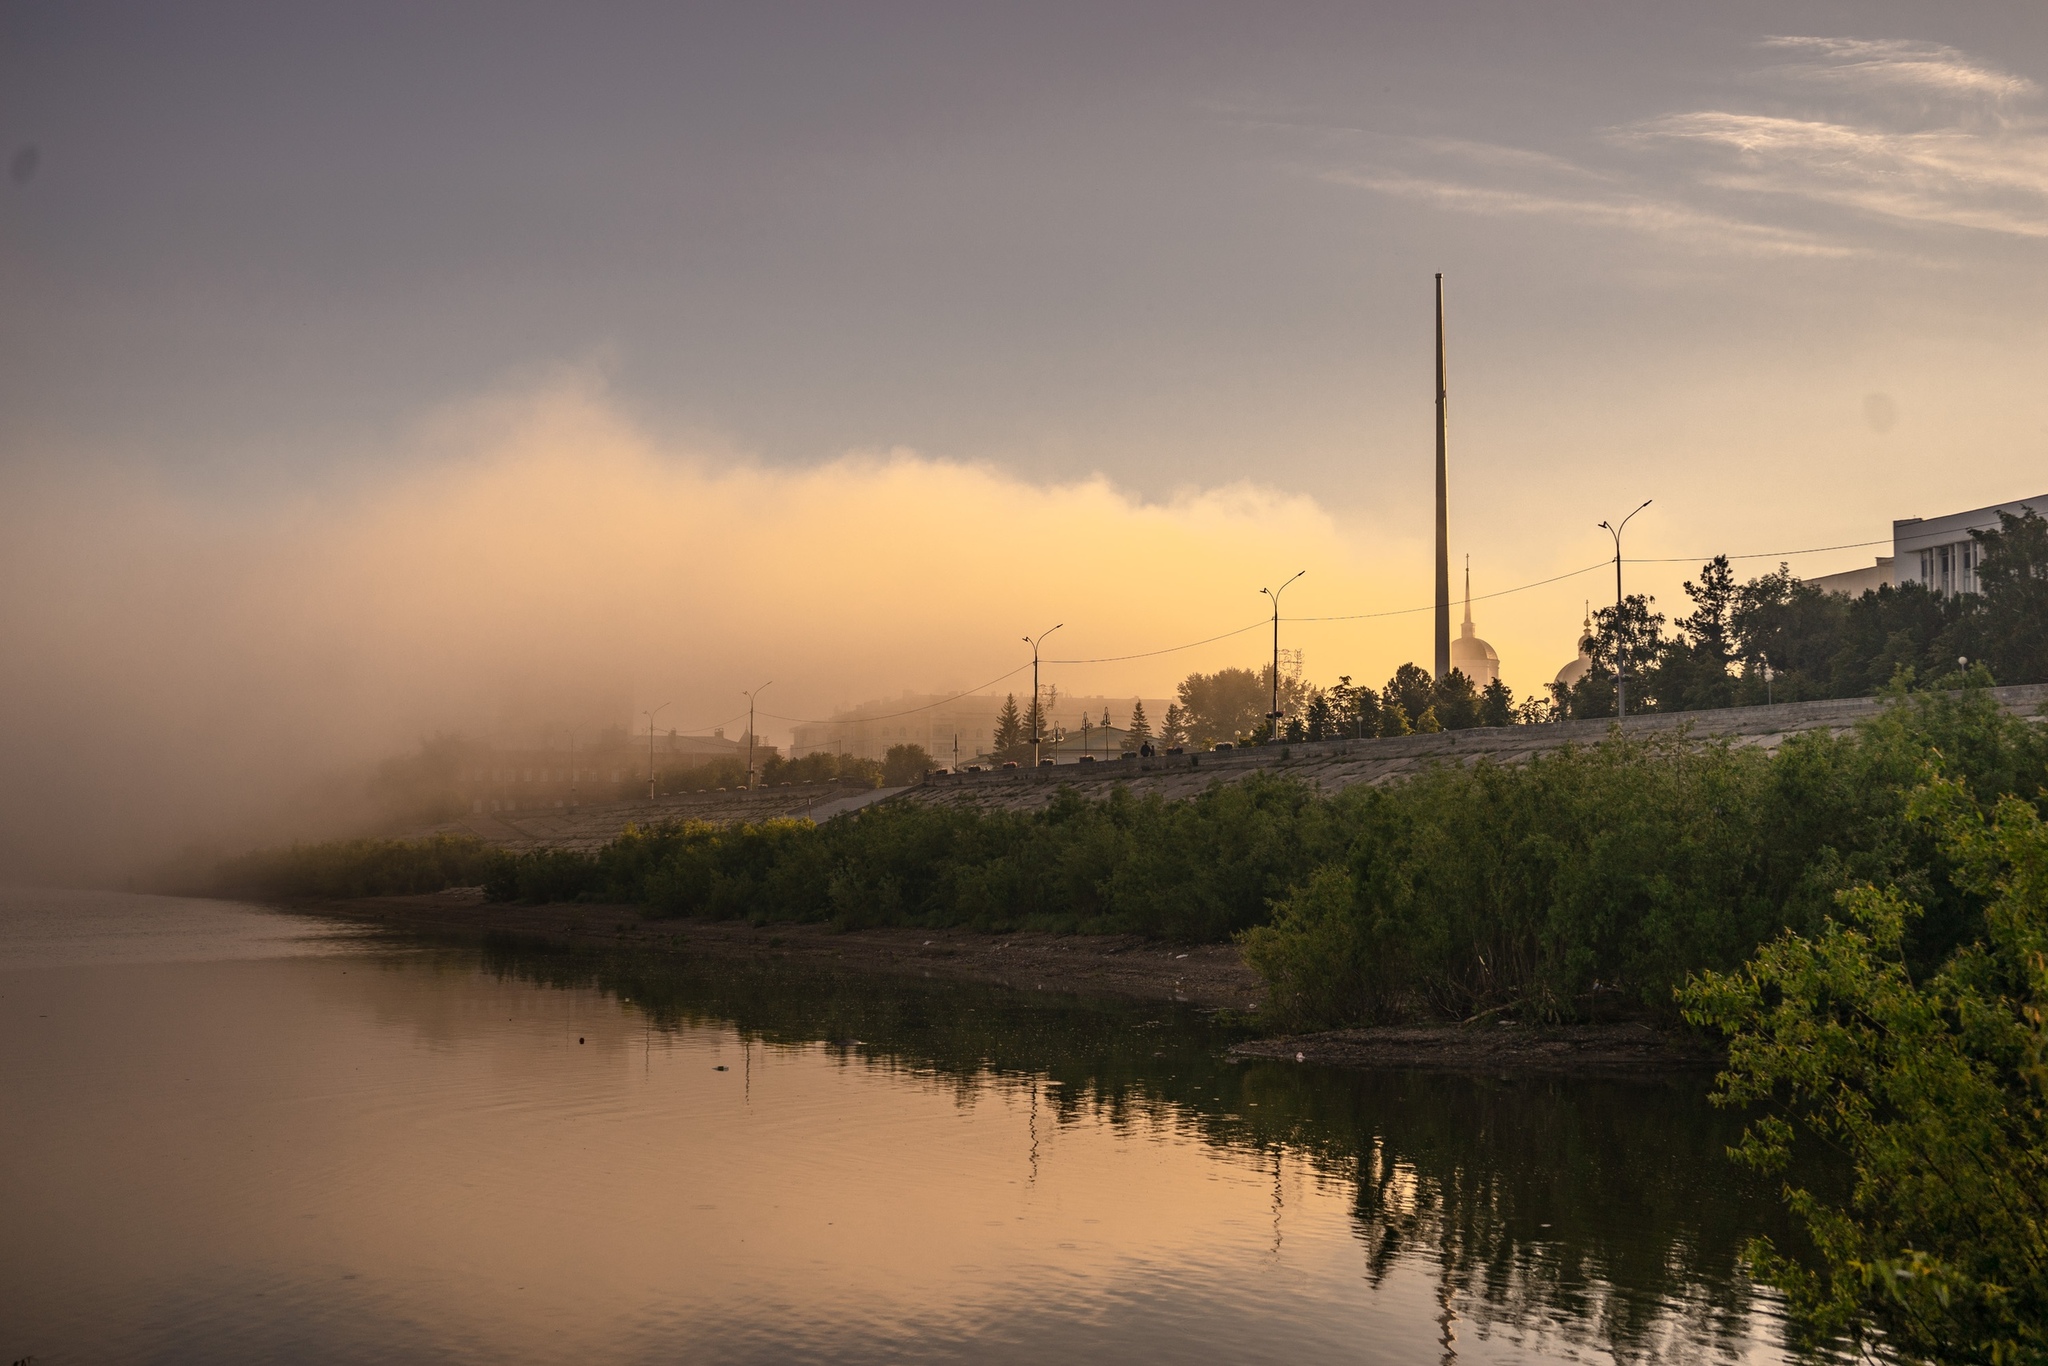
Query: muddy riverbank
[[1208, 976]]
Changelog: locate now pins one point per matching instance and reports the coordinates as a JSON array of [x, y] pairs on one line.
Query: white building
[[1470, 655], [1936, 551]]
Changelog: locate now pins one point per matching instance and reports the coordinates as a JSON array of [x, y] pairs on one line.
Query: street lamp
[[750, 730], [1274, 594], [1037, 718], [650, 746], [1620, 648]]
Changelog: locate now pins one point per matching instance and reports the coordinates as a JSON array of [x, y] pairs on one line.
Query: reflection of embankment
[[1609, 1206]]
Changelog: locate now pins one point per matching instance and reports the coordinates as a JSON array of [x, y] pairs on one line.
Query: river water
[[233, 1135]]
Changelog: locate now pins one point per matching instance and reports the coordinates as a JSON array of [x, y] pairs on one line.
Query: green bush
[[352, 868], [1936, 1090]]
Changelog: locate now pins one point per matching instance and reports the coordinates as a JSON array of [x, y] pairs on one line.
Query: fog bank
[[221, 669]]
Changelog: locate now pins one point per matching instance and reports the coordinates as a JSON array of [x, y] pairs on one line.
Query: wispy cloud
[[1666, 219], [1897, 63], [1910, 134]]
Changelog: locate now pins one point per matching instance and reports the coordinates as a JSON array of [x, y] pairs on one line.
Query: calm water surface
[[230, 1135]]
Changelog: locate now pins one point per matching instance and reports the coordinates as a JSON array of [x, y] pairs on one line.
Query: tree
[[1427, 723], [1357, 708], [1936, 1091], [1627, 632], [1412, 689], [1225, 705], [1455, 701], [1320, 717], [1139, 732], [904, 764], [1497, 705], [1009, 736], [2010, 629], [1692, 672], [1394, 719], [1174, 728]]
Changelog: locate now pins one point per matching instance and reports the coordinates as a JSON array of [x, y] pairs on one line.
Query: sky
[[373, 370]]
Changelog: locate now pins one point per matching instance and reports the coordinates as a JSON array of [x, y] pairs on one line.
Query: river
[[236, 1135]]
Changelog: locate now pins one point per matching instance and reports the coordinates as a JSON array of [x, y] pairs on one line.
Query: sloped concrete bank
[[1337, 764]]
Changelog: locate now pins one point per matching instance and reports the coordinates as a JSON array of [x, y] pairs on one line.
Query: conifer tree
[[1009, 728], [1175, 731], [1140, 730]]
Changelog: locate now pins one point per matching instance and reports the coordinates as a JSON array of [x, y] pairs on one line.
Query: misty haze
[[1096, 683]]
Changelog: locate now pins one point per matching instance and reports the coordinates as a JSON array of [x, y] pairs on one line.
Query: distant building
[[612, 768], [1936, 551], [1568, 677], [1470, 655]]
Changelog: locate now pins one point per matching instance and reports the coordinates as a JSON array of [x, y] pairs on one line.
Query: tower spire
[[1443, 501], [1468, 597]]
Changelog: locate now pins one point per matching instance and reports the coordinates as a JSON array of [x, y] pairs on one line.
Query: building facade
[[1936, 551], [613, 768]]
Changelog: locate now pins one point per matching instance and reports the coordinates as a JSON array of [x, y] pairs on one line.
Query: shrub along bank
[[1549, 889]]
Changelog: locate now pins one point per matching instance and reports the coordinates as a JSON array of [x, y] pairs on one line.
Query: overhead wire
[[1355, 616]]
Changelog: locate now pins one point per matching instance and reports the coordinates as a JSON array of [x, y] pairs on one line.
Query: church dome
[[1570, 674], [1474, 658]]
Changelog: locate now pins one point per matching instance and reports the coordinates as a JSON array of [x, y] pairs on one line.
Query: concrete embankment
[[1337, 764], [1329, 764], [592, 824]]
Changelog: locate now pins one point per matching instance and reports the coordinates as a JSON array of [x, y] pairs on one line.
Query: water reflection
[[1570, 1213], [360, 1152]]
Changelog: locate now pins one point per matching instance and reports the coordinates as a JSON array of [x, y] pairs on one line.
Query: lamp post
[[750, 730], [1037, 716], [1620, 649], [650, 747], [1770, 694], [1274, 594]]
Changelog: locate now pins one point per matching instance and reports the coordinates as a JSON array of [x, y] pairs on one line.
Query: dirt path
[[1210, 975]]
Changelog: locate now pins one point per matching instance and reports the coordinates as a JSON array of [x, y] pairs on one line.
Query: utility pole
[[572, 771], [1443, 499], [750, 730], [1037, 712], [1620, 646], [650, 747], [1274, 593]]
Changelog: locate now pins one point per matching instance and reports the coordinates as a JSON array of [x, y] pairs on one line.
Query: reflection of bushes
[[1610, 1205]]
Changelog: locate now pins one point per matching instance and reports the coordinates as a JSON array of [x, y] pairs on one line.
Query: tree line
[[1774, 638]]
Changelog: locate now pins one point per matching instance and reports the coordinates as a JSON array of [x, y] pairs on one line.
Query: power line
[[1171, 649], [1761, 554], [891, 716], [1355, 616], [1675, 559], [1405, 611]]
